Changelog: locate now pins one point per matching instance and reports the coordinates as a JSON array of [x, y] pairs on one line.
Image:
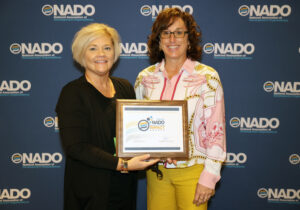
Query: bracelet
[[124, 166]]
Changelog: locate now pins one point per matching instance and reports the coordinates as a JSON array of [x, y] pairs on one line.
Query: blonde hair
[[88, 34]]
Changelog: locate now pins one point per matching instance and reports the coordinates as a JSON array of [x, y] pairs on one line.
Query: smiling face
[[175, 48], [99, 56]]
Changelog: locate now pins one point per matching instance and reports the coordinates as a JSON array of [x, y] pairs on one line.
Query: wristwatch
[[124, 166]]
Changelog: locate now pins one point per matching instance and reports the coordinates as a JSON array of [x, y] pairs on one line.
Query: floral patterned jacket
[[200, 85]]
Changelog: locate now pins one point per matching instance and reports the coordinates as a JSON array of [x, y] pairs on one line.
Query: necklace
[[108, 91]]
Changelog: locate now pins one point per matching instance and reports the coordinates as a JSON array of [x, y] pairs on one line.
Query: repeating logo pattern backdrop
[[254, 45]]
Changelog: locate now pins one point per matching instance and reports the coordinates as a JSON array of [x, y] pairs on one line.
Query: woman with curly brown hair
[[174, 49]]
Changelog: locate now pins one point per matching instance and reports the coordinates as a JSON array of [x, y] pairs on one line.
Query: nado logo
[[230, 50], [255, 125], [47, 10], [134, 50], [268, 86], [266, 12], [151, 124], [244, 10], [276, 195], [294, 159], [235, 122], [38, 160], [14, 196], [209, 48], [154, 10], [16, 158], [50, 122], [262, 193], [235, 160], [143, 125], [68, 12], [146, 10], [15, 48], [15, 88], [42, 50], [283, 89]]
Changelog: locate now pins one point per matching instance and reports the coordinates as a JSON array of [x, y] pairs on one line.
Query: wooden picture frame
[[158, 128]]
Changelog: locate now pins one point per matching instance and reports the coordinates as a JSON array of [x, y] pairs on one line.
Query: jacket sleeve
[[212, 133], [74, 123], [138, 87]]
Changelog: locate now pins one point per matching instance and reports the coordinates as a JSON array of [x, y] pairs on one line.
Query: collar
[[187, 66]]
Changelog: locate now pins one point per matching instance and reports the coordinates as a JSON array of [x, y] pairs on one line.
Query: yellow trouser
[[175, 191]]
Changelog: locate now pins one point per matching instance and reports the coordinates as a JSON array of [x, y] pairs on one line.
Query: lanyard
[[165, 83]]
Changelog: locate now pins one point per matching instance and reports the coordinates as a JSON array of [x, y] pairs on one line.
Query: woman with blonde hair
[[86, 114]]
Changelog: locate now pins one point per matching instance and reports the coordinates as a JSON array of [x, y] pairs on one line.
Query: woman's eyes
[[107, 48], [92, 48], [178, 32]]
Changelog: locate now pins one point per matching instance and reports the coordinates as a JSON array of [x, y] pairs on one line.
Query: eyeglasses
[[177, 34]]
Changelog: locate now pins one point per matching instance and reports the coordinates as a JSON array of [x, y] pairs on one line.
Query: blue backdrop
[[254, 45]]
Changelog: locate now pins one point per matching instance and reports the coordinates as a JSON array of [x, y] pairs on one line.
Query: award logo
[[151, 124]]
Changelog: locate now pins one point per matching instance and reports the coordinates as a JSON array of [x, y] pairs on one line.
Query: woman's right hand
[[138, 163]]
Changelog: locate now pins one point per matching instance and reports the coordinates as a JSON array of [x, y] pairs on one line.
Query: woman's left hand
[[172, 161], [202, 194]]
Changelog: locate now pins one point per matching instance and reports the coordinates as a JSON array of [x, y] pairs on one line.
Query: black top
[[86, 121]]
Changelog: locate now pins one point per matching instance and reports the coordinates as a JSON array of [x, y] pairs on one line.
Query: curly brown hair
[[165, 19]]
